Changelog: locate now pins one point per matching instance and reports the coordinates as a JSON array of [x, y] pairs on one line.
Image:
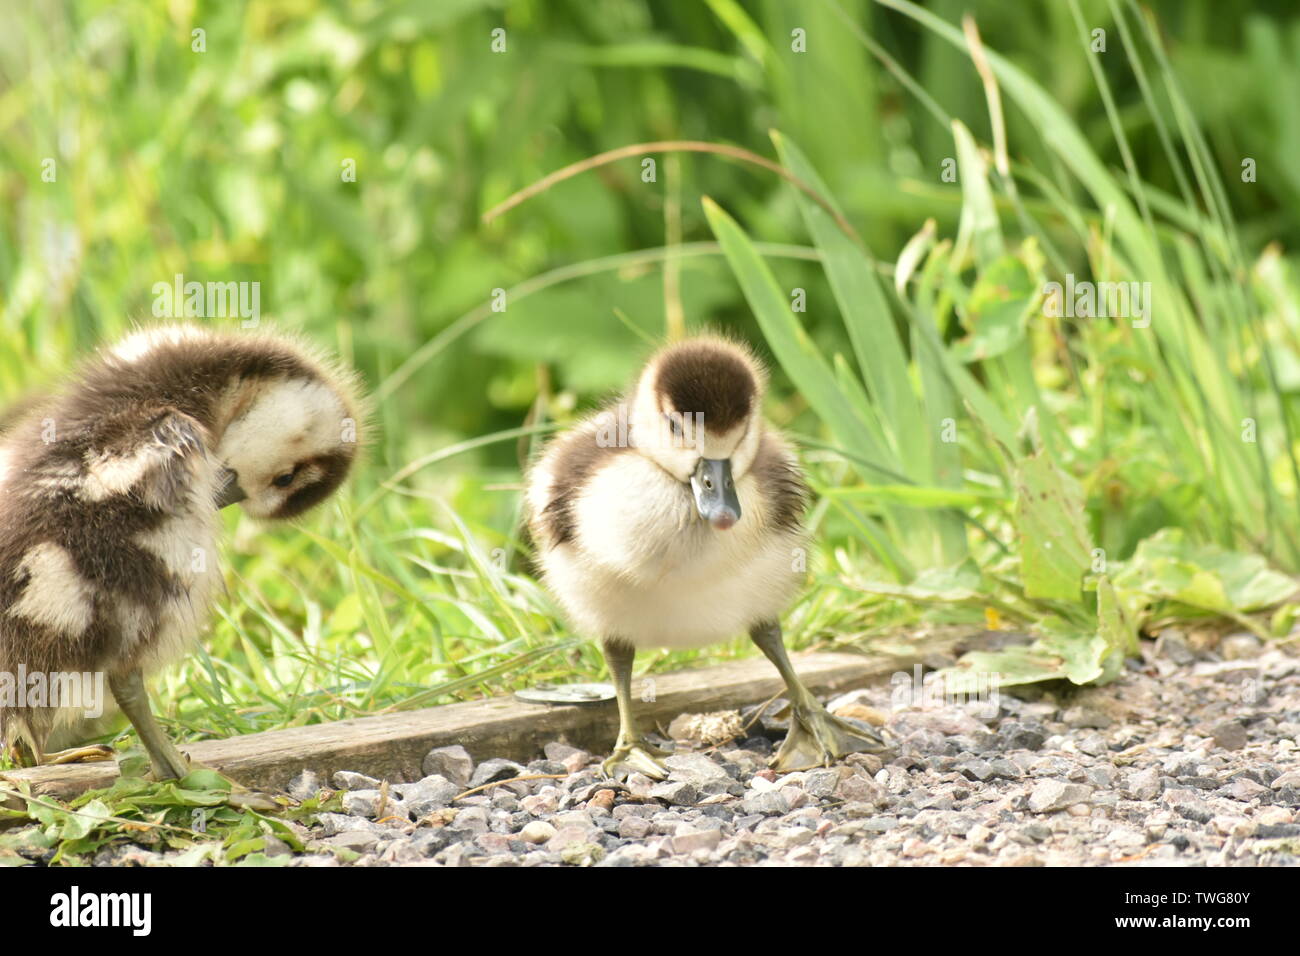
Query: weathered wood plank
[[392, 746]]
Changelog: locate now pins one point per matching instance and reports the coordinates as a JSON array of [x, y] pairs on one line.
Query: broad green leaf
[[1053, 542], [1166, 566], [80, 824], [997, 310], [1018, 664]]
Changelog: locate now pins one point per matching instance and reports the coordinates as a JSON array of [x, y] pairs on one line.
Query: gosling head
[[697, 414], [289, 442]]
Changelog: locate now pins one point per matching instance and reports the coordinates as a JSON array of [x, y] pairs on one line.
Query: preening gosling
[[674, 519], [109, 492]]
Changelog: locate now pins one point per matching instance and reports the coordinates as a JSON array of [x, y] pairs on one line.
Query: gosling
[[109, 493], [674, 519]]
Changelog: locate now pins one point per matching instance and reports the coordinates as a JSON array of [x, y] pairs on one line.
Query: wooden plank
[[393, 746]]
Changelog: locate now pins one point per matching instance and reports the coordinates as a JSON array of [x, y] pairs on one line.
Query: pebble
[[1230, 735], [452, 763], [538, 831], [1052, 795]]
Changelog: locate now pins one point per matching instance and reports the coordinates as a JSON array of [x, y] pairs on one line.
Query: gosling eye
[[284, 480]]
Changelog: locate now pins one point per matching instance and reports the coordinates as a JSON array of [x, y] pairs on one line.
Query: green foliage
[[200, 816]]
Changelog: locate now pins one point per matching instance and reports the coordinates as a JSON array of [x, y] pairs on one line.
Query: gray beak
[[228, 492], [715, 493]]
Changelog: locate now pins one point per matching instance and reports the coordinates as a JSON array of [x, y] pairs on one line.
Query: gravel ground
[[1190, 758]]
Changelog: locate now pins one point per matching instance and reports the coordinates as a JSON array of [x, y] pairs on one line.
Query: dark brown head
[[697, 414]]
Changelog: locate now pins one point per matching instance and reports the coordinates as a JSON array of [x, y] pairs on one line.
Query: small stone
[[568, 836], [1026, 859], [347, 780], [1245, 789], [1005, 769], [361, 803], [454, 763], [1172, 646], [539, 831], [859, 789], [575, 762], [1236, 647], [634, 828], [1013, 735], [1272, 831], [1230, 735], [1126, 837], [1226, 825], [546, 800], [1081, 717], [699, 771], [676, 793], [358, 841], [869, 764], [559, 751], [1052, 795], [821, 783], [975, 769], [1198, 811], [1271, 816], [1035, 832], [432, 793], [490, 771], [1143, 784], [1289, 779], [768, 803], [602, 800], [697, 840], [1094, 745], [473, 819], [493, 843], [913, 848]]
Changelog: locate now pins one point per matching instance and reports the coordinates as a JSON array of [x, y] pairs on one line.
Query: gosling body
[[673, 518], [110, 488]]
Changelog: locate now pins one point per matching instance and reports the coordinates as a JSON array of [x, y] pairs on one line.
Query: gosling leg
[[816, 738], [632, 750], [129, 692]]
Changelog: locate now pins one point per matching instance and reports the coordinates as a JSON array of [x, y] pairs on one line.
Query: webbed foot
[[818, 738], [637, 754]]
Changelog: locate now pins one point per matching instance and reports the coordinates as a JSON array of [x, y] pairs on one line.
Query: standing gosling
[[673, 519], [109, 492]]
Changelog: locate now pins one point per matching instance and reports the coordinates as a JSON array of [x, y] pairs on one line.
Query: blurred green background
[[225, 164]]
